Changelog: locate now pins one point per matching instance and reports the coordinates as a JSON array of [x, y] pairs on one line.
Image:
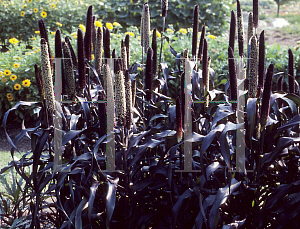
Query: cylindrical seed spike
[[179, 131], [81, 60], [68, 70], [240, 29], [88, 38], [149, 76], [164, 8], [200, 51], [128, 95], [39, 82], [232, 30], [98, 51], [255, 13], [195, 30], [253, 68], [127, 45], [232, 77], [261, 60], [265, 108], [154, 48], [291, 72]]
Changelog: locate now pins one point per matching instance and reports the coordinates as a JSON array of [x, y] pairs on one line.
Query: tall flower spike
[[142, 26], [88, 38], [109, 86], [47, 76], [240, 29], [200, 51], [249, 35], [107, 44], [69, 74], [127, 49], [255, 13], [133, 86], [232, 77], [164, 8], [149, 76], [128, 95], [261, 60], [120, 94], [81, 61], [59, 54], [58, 46], [179, 132], [146, 28], [124, 55], [195, 31], [291, 72], [94, 35], [232, 30], [44, 34], [39, 82], [154, 48], [74, 59], [265, 106], [253, 67], [182, 77], [98, 51], [205, 65]]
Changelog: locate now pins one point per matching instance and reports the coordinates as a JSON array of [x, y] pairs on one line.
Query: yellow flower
[[27, 96], [16, 65], [183, 31], [35, 10], [74, 35], [17, 87], [37, 32], [82, 27], [131, 1], [1, 73], [57, 23], [117, 24], [76, 2], [10, 99], [9, 95], [212, 36], [52, 33], [33, 38], [93, 57], [53, 6], [98, 24], [109, 25], [26, 83], [7, 72], [13, 77], [170, 30], [22, 13], [29, 1], [158, 34], [4, 79], [17, 58], [44, 14], [130, 33], [27, 53], [13, 40], [24, 6]]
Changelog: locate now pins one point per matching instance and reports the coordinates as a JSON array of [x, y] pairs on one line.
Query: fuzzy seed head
[[58, 46], [74, 59], [253, 68], [261, 63], [232, 30], [195, 30], [154, 48], [98, 51], [81, 59], [265, 108], [44, 34], [128, 95], [47, 76], [124, 55], [164, 8], [255, 13], [200, 51], [146, 28], [88, 38], [291, 72], [68, 70], [133, 86], [232, 76], [240, 29], [120, 97], [149, 76], [127, 43]]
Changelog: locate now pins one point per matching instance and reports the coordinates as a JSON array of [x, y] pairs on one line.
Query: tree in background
[[282, 2]]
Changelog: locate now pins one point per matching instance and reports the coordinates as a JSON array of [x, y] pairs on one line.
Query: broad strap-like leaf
[[111, 199]]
